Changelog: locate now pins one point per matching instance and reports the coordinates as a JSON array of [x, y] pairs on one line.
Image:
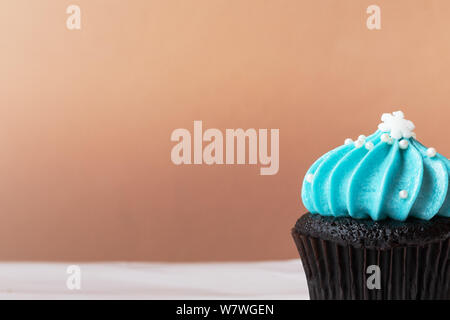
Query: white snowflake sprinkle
[[396, 125]]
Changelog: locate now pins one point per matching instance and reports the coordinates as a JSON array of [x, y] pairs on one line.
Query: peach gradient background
[[86, 116]]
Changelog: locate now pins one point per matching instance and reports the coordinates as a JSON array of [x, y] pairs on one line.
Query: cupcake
[[378, 225]]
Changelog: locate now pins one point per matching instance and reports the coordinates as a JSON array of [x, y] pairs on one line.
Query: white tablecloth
[[254, 280]]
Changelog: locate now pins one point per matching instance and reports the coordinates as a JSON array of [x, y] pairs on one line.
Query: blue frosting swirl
[[384, 180]]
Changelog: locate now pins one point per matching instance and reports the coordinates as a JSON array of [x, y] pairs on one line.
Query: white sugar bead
[[348, 141], [362, 138], [403, 144], [384, 137], [309, 177], [431, 152], [359, 143], [369, 145], [403, 194]]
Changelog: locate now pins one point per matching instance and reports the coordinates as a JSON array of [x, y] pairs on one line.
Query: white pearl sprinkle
[[384, 137], [431, 152], [362, 138], [359, 143], [403, 194], [369, 145], [309, 177], [403, 144], [348, 141]]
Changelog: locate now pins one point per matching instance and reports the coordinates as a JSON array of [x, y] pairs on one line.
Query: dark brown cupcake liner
[[336, 271]]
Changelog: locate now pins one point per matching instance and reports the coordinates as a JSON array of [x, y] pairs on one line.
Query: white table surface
[[253, 280]]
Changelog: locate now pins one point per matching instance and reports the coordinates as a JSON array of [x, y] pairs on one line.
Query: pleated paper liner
[[339, 272]]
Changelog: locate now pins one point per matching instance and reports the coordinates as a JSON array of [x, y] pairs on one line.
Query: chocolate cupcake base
[[346, 258]]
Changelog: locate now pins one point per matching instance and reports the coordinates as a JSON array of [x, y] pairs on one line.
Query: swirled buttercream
[[386, 175]]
